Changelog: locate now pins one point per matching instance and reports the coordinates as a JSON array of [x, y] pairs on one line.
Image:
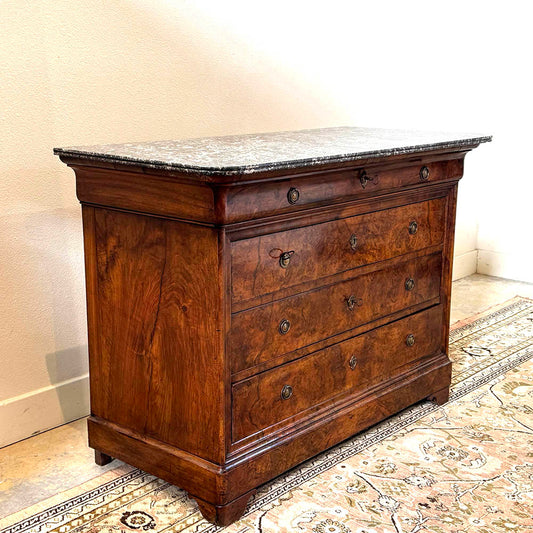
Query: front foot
[[440, 397], [102, 459], [224, 515]]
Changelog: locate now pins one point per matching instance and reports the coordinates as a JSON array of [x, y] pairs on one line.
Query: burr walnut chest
[[254, 300]]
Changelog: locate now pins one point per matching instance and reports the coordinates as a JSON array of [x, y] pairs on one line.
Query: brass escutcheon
[[352, 302], [285, 258], [364, 179], [286, 392], [409, 284], [410, 339], [413, 227], [424, 173], [293, 195], [352, 362], [284, 326], [353, 241]]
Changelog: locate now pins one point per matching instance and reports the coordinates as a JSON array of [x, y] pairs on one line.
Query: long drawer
[[264, 264], [289, 195], [264, 332], [347, 368]]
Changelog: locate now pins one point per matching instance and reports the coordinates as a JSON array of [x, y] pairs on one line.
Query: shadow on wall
[[44, 363], [72, 393], [60, 364], [67, 368], [43, 276]]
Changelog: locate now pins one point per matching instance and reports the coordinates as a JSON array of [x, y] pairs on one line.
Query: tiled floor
[[54, 461], [475, 293]]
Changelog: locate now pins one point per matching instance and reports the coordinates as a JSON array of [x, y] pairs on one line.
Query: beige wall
[[81, 72]]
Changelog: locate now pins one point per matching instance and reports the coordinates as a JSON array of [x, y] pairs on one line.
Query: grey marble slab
[[247, 154]]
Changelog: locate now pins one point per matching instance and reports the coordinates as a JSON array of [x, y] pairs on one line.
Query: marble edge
[[272, 166]]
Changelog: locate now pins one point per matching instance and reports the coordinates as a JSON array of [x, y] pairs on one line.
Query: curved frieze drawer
[[243, 202]]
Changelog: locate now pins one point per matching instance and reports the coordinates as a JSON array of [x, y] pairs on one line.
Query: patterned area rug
[[464, 467]]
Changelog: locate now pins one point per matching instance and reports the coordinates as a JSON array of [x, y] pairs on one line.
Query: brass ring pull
[[285, 258], [410, 340], [286, 392], [284, 326], [293, 195], [413, 227], [409, 284], [352, 362], [353, 241], [364, 179], [424, 173], [352, 302]]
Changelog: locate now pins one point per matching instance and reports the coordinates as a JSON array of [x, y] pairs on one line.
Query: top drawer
[[263, 199], [265, 264]]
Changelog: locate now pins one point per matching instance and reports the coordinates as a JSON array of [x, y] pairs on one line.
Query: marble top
[[247, 154]]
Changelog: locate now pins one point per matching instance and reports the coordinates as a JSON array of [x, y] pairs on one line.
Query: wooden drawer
[[256, 334], [347, 368], [313, 252], [263, 199]]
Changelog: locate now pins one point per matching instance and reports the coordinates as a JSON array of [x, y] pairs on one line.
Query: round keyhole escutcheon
[[293, 195], [284, 326], [286, 392], [364, 179], [409, 284], [413, 227], [410, 340], [424, 173]]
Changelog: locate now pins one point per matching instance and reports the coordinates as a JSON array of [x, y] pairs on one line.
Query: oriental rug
[[466, 466]]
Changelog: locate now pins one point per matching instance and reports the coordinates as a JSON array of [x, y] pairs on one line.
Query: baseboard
[[465, 264], [29, 414], [515, 266]]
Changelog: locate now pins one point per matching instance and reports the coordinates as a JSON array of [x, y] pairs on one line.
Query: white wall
[[82, 72]]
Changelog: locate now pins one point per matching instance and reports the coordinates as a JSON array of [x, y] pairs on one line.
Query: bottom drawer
[[261, 403]]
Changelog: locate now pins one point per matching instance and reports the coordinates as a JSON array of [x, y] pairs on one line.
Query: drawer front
[[262, 199], [262, 333], [262, 265], [346, 368]]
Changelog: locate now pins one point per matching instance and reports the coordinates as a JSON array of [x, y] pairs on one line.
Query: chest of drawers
[[254, 300]]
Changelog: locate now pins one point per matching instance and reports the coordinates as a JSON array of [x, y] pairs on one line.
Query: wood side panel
[[324, 249], [145, 193], [255, 334], [348, 367], [159, 326]]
